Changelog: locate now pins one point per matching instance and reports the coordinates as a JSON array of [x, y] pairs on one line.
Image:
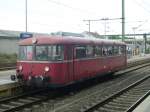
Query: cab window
[[25, 52]]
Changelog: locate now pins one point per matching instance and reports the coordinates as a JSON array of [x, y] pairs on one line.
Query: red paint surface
[[68, 40], [63, 73]]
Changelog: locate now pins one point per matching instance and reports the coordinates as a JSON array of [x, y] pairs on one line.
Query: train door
[[70, 67], [79, 55]]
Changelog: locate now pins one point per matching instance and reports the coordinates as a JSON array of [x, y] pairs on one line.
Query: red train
[[58, 61]]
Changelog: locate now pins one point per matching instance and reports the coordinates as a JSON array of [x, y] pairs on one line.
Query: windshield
[[41, 53], [25, 53]]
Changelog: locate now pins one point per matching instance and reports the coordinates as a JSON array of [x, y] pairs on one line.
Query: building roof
[[8, 33]]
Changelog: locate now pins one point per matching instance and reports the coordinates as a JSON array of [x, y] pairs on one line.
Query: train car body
[[59, 61]]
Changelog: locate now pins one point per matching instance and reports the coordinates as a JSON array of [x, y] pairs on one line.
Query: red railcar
[[59, 61]]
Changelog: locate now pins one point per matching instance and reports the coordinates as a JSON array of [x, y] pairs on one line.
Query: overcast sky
[[67, 15]]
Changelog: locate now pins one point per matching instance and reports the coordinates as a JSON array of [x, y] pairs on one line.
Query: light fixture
[[46, 69]]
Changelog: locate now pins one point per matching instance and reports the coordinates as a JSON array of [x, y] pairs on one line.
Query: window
[[89, 51], [80, 52], [110, 51], [104, 51], [121, 50], [116, 50], [98, 51], [55, 52], [41, 53], [22, 52], [49, 53], [25, 52]]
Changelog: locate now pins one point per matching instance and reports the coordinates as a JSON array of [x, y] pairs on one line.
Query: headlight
[[29, 78], [46, 69], [20, 68]]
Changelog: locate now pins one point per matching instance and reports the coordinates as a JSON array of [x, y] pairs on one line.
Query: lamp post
[[123, 19], [26, 15]]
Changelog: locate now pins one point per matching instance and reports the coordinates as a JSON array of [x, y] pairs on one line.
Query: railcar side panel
[[69, 58]]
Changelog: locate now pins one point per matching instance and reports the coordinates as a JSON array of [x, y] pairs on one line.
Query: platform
[[144, 106], [5, 75], [8, 87], [138, 58]]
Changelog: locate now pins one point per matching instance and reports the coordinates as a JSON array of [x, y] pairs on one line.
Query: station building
[[9, 40]]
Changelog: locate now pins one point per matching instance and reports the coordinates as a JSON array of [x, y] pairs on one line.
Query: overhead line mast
[[26, 16], [123, 20], [103, 19]]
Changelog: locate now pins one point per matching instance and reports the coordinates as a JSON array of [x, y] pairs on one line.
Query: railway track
[[123, 101], [29, 99], [7, 68], [16, 103]]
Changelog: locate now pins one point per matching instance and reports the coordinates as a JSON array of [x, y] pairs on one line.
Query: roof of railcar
[[67, 40]]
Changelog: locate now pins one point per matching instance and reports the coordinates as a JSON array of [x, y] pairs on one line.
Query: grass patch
[[8, 58]]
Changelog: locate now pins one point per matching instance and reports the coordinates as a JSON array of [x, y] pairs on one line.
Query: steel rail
[[114, 96], [33, 94], [138, 102]]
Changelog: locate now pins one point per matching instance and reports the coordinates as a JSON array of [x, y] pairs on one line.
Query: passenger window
[[98, 51], [41, 53], [121, 50], [49, 53], [55, 52], [110, 51], [116, 50], [80, 52], [104, 51], [89, 51]]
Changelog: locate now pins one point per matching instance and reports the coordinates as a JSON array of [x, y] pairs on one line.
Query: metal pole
[[123, 20], [145, 41], [103, 19], [105, 28], [26, 16], [89, 26]]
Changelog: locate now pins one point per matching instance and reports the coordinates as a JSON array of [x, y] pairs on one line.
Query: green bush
[[8, 58]]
